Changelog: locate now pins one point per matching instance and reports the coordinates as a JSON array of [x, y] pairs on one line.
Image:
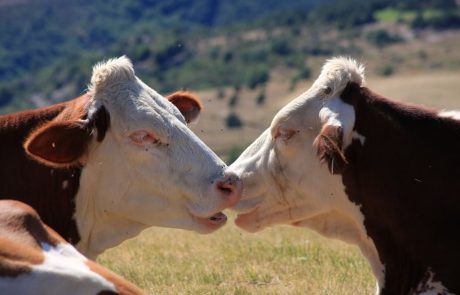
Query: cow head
[[142, 165], [283, 172]]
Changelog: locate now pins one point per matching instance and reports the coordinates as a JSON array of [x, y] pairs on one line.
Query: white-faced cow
[[34, 259], [100, 168], [356, 166]]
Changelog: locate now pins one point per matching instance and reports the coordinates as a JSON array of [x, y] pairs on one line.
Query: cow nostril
[[230, 188]]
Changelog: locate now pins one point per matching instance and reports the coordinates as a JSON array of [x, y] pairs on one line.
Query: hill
[[47, 47]]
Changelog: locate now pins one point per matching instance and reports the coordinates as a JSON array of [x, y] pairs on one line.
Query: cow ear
[[329, 144], [188, 104], [59, 143]]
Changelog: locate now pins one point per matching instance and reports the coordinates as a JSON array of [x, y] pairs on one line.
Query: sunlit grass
[[281, 260]]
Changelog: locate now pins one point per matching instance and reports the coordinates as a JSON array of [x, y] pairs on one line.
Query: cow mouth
[[213, 222], [218, 218]]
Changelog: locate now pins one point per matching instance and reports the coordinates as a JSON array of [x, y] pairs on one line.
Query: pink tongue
[[218, 217]]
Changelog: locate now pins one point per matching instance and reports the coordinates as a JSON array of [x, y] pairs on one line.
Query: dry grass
[[280, 260]]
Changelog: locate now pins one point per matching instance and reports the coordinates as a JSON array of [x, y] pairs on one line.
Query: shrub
[[234, 152], [260, 99], [281, 47], [233, 121], [221, 93], [258, 76], [381, 38], [386, 70]]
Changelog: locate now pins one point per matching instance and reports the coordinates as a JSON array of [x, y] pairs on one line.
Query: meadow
[[278, 260]]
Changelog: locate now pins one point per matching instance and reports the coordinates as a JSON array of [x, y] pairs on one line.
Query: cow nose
[[230, 188]]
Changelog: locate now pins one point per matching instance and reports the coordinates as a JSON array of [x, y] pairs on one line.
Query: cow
[[356, 166], [100, 168], [34, 259]]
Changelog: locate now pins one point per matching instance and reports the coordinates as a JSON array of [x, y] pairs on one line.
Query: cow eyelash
[[285, 133]]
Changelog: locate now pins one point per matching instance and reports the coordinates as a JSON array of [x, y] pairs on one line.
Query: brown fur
[[36, 184], [405, 178], [22, 231], [188, 104], [123, 286], [328, 144]]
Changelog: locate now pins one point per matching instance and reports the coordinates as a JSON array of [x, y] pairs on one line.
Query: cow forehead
[[302, 109], [134, 104], [114, 84]]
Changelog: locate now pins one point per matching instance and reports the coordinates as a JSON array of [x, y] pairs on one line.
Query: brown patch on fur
[[123, 286], [188, 104], [329, 148], [21, 232]]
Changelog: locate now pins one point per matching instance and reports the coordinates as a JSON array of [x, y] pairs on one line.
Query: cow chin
[[249, 221], [210, 224]]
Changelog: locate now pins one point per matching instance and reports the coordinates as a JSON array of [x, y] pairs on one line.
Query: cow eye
[[143, 138], [284, 133]]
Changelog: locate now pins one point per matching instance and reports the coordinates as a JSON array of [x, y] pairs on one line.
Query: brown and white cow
[[34, 259], [100, 168], [390, 183]]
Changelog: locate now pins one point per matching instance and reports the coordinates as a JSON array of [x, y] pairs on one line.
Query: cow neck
[[49, 191], [398, 177]]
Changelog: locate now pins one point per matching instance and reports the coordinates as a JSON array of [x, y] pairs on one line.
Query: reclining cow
[[353, 165], [102, 167], [35, 260]]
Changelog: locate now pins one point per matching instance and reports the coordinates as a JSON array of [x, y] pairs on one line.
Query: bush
[[303, 74], [260, 99], [386, 70], [234, 152], [5, 96], [235, 97], [233, 121], [221, 93], [258, 76], [281, 47], [381, 38]]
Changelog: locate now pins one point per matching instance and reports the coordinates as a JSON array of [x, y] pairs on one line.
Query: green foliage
[[234, 152], [386, 70], [233, 101], [221, 93], [304, 73], [261, 97], [258, 75], [381, 38], [6, 95], [281, 47], [437, 20], [233, 121], [176, 44]]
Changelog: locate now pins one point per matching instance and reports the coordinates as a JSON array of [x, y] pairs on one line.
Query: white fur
[[360, 137], [337, 73], [124, 187], [450, 114], [284, 182], [63, 272], [431, 287]]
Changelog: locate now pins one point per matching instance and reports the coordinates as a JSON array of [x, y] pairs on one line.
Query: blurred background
[[245, 59]]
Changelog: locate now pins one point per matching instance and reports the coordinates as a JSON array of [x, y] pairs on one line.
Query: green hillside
[[47, 47]]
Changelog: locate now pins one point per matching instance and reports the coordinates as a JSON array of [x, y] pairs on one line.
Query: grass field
[[279, 260]]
